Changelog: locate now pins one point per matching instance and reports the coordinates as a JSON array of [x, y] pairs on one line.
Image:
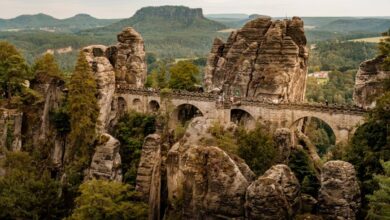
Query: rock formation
[[205, 182], [10, 130], [122, 63], [275, 195], [149, 174], [38, 128], [128, 58], [369, 83], [283, 140], [339, 195], [106, 161], [265, 59]]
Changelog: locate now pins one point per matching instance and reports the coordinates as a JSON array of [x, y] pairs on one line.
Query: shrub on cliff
[[100, 199]]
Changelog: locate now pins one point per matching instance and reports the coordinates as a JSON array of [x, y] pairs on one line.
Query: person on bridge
[[326, 102]]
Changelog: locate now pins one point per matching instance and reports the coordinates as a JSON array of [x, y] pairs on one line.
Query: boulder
[[369, 83], [339, 195], [106, 160], [275, 195], [265, 59]]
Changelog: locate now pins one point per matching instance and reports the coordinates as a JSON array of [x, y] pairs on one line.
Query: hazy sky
[[126, 8]]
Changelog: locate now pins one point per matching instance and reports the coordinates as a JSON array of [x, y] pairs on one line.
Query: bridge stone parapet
[[343, 119]]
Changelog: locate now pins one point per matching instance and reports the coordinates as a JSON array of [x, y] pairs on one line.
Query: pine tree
[[13, 71], [380, 200], [83, 109], [46, 66]]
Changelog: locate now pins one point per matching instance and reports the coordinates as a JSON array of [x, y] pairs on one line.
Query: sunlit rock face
[[370, 83], [265, 59]]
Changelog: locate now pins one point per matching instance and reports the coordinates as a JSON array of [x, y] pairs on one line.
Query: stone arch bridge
[[343, 120]]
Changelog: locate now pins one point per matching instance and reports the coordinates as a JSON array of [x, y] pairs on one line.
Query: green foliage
[[83, 109], [102, 199], [61, 120], [257, 148], [158, 78], [339, 88], [384, 49], [304, 171], [13, 71], [46, 66], [184, 75], [223, 138], [369, 145], [27, 192], [321, 135], [131, 130], [340, 55], [380, 199]]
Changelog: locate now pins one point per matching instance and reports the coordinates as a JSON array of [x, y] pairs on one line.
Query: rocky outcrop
[[369, 83], [265, 59], [149, 174], [275, 195], [10, 130], [122, 63], [283, 141], [128, 58], [106, 161], [205, 182], [104, 74], [339, 195]]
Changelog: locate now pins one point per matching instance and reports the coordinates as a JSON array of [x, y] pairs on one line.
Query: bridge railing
[[242, 101]]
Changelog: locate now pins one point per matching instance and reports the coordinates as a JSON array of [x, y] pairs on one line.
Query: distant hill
[[363, 24], [49, 23], [165, 19], [169, 31]]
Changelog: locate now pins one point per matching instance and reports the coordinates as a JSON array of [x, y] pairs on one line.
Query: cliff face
[[369, 83], [265, 59]]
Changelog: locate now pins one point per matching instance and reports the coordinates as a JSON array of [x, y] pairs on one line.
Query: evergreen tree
[[46, 66], [83, 110], [384, 48], [102, 199], [380, 199], [13, 71]]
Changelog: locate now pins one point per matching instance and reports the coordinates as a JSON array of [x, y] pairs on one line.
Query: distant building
[[320, 75]]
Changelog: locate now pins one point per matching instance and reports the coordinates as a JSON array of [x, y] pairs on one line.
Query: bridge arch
[[242, 117], [153, 106], [121, 105], [185, 112], [318, 131], [137, 104]]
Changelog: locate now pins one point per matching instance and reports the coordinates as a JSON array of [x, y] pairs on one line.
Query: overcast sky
[[126, 8]]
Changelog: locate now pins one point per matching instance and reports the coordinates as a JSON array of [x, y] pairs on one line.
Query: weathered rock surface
[[149, 174], [283, 140], [369, 83], [205, 182], [104, 74], [128, 58], [106, 161], [10, 130], [339, 195], [275, 195], [265, 59]]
